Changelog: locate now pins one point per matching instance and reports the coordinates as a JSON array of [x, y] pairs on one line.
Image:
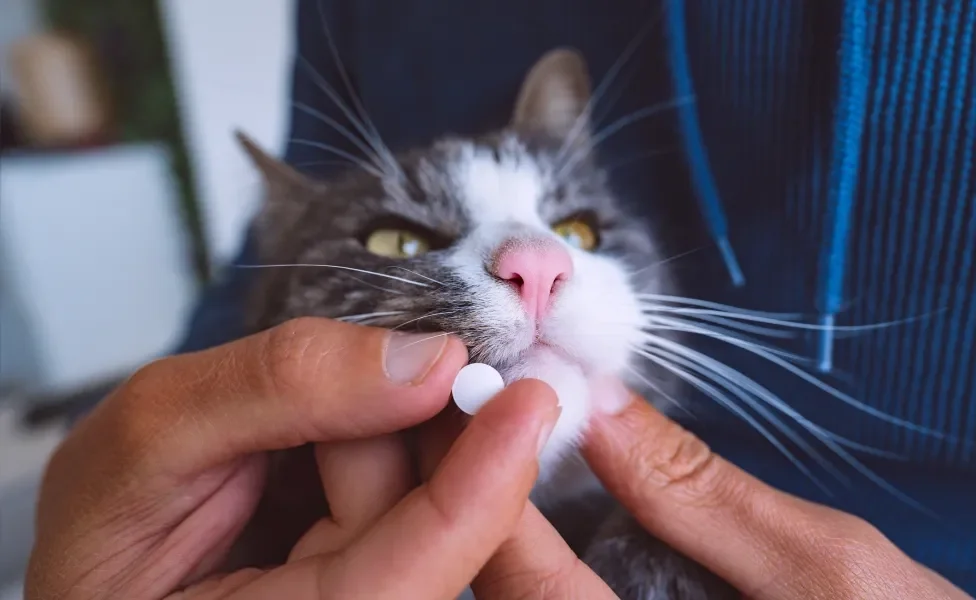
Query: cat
[[514, 242]]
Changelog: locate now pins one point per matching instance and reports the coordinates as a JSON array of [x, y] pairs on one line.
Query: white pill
[[475, 385]]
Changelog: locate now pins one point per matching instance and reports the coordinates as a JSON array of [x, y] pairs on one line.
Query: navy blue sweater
[[826, 163]]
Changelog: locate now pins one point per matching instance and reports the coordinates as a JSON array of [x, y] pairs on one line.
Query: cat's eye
[[578, 233], [396, 243]]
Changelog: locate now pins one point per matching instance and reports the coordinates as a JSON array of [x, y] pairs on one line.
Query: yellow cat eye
[[396, 243], [577, 232]]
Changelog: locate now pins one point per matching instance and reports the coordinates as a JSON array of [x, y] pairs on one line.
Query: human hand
[[533, 562], [149, 492], [766, 543]]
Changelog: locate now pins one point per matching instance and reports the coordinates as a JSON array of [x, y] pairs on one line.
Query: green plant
[[127, 38]]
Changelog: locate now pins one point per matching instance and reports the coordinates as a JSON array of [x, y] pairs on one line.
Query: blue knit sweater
[[827, 163]]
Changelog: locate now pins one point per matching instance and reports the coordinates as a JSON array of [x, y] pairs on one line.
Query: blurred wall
[[19, 363], [18, 18], [232, 62]]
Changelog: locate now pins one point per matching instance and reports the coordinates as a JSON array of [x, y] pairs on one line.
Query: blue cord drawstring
[[711, 203], [848, 129]]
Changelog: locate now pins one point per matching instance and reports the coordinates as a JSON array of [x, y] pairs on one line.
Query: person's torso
[[768, 81]]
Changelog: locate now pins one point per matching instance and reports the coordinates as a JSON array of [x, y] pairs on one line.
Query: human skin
[[146, 496], [768, 544]]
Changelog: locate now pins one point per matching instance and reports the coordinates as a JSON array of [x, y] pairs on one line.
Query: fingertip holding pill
[[475, 385]]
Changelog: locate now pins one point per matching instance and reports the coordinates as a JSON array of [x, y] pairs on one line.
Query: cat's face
[[513, 242]]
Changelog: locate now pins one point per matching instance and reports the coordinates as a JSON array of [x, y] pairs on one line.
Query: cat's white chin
[[571, 383]]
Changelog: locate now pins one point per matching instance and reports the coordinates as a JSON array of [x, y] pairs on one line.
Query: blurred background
[[122, 192]]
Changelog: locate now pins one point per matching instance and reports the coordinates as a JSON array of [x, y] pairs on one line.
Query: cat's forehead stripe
[[499, 187]]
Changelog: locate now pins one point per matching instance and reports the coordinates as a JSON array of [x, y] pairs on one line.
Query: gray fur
[[639, 567], [324, 225]]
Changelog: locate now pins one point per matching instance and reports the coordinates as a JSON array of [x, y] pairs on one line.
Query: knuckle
[[134, 422], [840, 534], [146, 379], [857, 531], [684, 466], [292, 355]]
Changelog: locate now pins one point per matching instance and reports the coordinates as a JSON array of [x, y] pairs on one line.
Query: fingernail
[[546, 432], [611, 395], [409, 356]]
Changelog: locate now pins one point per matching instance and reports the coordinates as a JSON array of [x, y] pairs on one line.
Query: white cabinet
[[94, 262]]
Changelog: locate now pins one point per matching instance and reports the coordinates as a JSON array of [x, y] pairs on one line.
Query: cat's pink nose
[[535, 268]]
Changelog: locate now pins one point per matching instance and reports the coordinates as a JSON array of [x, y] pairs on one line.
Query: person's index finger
[[688, 497], [764, 542], [700, 504], [435, 541], [308, 380]]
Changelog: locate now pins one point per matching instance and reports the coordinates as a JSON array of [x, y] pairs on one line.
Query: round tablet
[[475, 385]]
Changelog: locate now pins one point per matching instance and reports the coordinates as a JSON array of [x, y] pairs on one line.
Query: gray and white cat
[[513, 242]]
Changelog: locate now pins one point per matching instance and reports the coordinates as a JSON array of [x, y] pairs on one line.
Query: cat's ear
[[555, 96], [287, 194], [278, 177]]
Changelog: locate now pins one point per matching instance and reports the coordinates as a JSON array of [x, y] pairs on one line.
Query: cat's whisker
[[665, 261], [426, 339], [772, 357], [657, 389], [702, 363], [376, 287], [583, 119], [825, 438], [365, 166], [782, 323], [369, 316], [731, 324], [339, 267], [429, 315], [342, 130], [372, 322], [638, 115], [693, 315], [599, 137], [336, 99], [732, 376], [372, 135], [325, 163], [374, 166], [333, 95], [431, 279], [664, 299], [658, 323], [723, 400], [729, 320]]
